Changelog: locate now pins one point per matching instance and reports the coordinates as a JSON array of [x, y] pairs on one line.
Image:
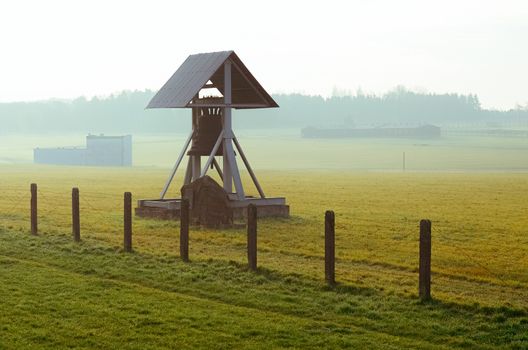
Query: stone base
[[158, 213], [169, 209]]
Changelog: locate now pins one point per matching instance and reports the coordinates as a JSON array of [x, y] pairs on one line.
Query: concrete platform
[[169, 209]]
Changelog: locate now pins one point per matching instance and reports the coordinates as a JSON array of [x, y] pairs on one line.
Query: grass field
[[60, 294]]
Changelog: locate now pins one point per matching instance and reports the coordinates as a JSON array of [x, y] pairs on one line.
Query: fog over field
[[472, 137], [285, 149]]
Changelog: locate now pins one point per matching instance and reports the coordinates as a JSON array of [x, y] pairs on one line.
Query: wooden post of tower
[[228, 176], [231, 173], [195, 160]]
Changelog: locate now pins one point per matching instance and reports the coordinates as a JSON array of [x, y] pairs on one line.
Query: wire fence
[[55, 209], [102, 218]]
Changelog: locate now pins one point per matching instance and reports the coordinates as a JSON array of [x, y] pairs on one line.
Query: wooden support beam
[[234, 170], [176, 165], [218, 169], [226, 118], [196, 167], [231, 173], [228, 177], [188, 172], [223, 105], [248, 167]]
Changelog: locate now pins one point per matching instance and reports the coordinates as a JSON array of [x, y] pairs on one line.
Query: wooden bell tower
[[212, 135]]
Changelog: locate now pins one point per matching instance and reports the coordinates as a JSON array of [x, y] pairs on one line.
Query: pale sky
[[69, 48]]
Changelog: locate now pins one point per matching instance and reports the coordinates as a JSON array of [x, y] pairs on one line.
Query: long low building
[[426, 131], [100, 150]]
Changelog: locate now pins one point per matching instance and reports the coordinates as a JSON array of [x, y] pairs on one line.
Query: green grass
[[60, 294]]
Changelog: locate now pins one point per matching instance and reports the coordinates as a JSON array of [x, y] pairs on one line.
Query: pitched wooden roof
[[197, 70]]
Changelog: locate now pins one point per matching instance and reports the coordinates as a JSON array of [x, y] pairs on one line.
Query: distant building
[[426, 132], [100, 150]]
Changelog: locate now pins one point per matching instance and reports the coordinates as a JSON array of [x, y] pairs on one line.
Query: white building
[[100, 150]]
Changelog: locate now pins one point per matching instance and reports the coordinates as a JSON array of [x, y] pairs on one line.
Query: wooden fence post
[[34, 220], [252, 236], [127, 242], [330, 247], [76, 221], [184, 230], [424, 284]]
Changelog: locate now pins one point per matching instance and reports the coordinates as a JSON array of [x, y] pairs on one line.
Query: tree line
[[125, 113]]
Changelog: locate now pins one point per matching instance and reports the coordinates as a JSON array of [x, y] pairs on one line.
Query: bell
[[208, 128]]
